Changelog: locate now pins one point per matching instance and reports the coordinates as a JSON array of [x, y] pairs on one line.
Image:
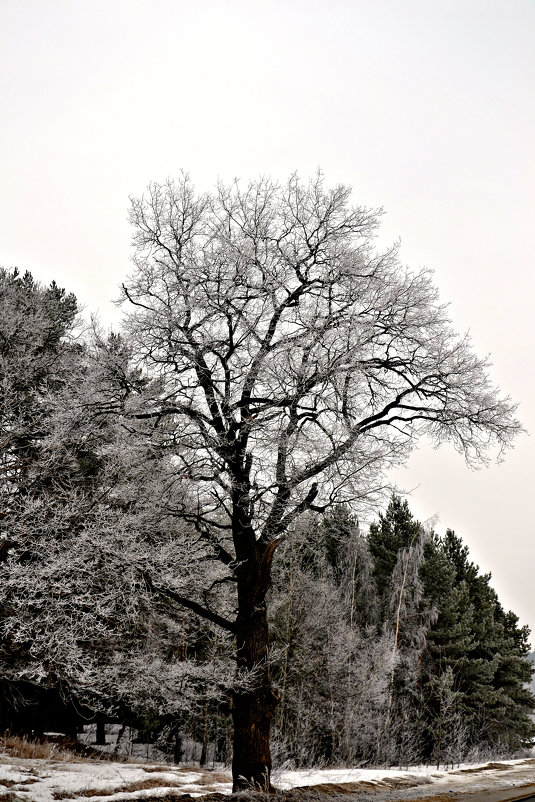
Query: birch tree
[[294, 364]]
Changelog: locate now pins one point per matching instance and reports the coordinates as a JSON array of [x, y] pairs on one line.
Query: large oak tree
[[292, 364]]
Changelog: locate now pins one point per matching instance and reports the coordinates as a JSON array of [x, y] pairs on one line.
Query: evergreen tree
[[39, 358], [85, 515], [395, 530], [496, 702], [460, 672], [396, 543], [449, 643]]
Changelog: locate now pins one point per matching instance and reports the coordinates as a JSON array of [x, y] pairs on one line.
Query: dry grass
[[486, 767], [10, 797], [36, 750], [440, 798], [62, 749], [138, 785], [211, 777]]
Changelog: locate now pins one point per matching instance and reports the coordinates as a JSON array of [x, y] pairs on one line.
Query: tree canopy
[[273, 365]]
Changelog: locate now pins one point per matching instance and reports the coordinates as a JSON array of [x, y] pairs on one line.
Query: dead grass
[[138, 785], [10, 783], [440, 798], [486, 767], [56, 750], [215, 776], [27, 749], [211, 777]]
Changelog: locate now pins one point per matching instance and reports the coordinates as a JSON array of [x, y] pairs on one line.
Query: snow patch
[[44, 781]]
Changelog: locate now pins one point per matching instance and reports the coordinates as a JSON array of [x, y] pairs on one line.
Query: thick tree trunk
[[252, 711]]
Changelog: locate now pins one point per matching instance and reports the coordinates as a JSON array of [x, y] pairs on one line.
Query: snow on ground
[[429, 780], [38, 780], [292, 779]]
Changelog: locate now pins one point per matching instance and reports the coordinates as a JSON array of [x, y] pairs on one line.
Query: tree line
[[272, 366], [395, 649]]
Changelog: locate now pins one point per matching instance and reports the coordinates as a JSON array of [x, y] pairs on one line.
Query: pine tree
[[449, 644], [85, 514], [460, 669], [395, 530], [495, 698], [39, 358]]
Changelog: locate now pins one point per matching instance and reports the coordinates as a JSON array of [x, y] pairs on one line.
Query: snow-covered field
[[40, 780]]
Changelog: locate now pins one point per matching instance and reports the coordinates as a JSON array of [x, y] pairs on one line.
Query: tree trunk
[[100, 739], [253, 710], [204, 750], [177, 748]]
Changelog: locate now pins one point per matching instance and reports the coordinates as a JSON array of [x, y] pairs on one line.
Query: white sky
[[425, 108]]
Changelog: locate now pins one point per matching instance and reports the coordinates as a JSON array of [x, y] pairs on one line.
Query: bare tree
[[292, 365]]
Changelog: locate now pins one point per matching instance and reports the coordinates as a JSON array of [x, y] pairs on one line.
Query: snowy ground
[[38, 780]]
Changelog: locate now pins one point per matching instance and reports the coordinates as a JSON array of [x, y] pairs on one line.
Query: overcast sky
[[424, 108]]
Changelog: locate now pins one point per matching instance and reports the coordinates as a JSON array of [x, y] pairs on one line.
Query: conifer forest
[[198, 539]]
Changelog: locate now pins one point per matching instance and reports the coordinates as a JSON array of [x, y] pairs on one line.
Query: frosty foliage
[[88, 547], [410, 675], [336, 669], [81, 612], [273, 366], [271, 322]]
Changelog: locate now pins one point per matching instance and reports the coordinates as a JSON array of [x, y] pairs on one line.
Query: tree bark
[[204, 750], [177, 748], [253, 710], [100, 739]]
